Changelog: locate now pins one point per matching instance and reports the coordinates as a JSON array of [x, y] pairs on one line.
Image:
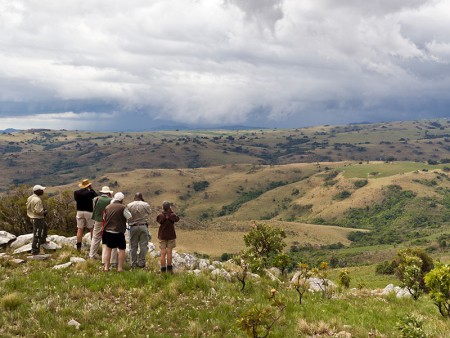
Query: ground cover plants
[[39, 301]]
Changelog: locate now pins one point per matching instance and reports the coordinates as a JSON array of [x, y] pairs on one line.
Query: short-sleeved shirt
[[84, 198], [140, 211]]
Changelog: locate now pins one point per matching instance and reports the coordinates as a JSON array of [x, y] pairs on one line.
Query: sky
[[143, 64]]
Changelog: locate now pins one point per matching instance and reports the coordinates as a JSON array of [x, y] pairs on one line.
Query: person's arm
[[174, 218], [126, 213], [39, 208], [147, 209]]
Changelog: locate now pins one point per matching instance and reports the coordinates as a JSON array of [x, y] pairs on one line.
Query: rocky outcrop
[[6, 238]]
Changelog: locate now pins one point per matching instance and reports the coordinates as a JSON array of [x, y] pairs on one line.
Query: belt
[[132, 225]]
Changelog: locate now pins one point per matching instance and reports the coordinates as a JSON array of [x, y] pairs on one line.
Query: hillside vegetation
[[58, 157]]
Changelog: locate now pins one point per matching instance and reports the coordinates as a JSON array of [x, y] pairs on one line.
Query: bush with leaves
[[411, 327], [412, 275], [258, 320], [425, 266], [344, 279], [264, 243], [438, 284]]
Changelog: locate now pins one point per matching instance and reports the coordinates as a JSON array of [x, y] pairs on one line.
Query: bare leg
[[169, 257], [121, 260], [79, 235], [163, 257], [107, 257]]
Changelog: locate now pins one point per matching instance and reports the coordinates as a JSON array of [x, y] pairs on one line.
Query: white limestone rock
[[73, 322], [77, 260], [63, 241], [62, 266], [221, 273], [151, 247], [21, 241], [51, 246], [17, 261], [6, 238], [203, 264], [38, 257], [22, 249]]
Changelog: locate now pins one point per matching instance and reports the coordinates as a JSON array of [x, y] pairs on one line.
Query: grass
[[385, 169], [41, 301]]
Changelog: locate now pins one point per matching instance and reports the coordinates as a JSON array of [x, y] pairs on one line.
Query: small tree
[[322, 274], [413, 264], [412, 275], [259, 319], [300, 280], [344, 279], [282, 262], [264, 243], [243, 264], [438, 283]]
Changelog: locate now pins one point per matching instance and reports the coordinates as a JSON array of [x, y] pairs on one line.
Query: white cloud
[[224, 61]]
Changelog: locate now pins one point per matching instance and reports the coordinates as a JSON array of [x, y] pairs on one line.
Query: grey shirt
[[140, 211]]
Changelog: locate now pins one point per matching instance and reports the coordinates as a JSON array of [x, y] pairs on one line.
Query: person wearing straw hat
[[84, 197], [99, 205], [36, 212]]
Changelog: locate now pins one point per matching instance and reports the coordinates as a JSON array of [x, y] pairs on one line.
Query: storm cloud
[[107, 65]]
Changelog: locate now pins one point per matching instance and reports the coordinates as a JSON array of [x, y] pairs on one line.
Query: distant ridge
[[9, 130]]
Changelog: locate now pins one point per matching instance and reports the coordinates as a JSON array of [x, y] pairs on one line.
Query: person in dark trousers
[[84, 197], [167, 236], [36, 212]]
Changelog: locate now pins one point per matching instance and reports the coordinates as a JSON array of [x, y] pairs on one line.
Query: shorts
[[112, 240], [84, 219], [170, 244]]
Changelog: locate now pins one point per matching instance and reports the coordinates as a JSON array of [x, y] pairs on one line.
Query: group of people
[[107, 218]]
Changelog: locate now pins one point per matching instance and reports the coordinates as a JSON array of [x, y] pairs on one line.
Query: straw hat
[[84, 184]]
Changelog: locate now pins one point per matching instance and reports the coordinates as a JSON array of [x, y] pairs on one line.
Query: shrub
[[265, 242], [300, 282], [11, 301], [411, 326], [200, 185], [438, 283], [360, 183], [344, 279], [413, 264], [342, 195], [386, 268]]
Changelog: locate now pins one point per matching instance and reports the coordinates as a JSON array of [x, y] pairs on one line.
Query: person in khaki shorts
[[167, 236], [84, 197]]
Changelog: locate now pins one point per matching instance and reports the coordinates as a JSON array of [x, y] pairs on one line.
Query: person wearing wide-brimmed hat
[[36, 212], [99, 205], [84, 197]]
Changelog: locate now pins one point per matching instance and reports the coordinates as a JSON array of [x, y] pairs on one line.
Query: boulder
[[77, 260], [203, 264], [51, 246], [316, 284], [62, 266], [38, 257], [151, 247], [21, 241], [17, 261], [74, 323], [275, 271], [6, 238], [221, 273], [22, 249], [86, 241], [4, 255], [63, 241]]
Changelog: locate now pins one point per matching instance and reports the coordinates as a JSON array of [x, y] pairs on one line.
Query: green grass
[[39, 301], [385, 169]]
